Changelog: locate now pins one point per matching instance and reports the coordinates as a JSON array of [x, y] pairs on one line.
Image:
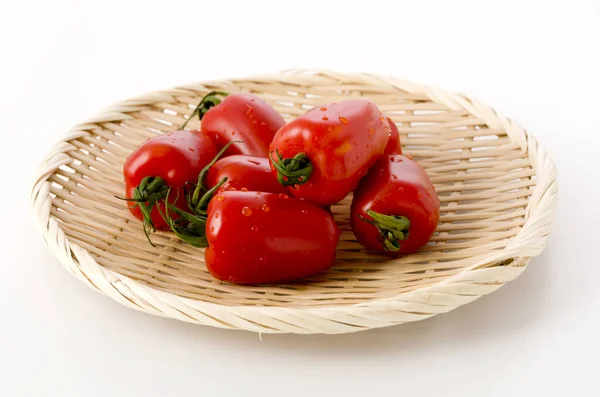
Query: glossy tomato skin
[[393, 146], [341, 140], [244, 172], [257, 238], [242, 117], [396, 186], [177, 157]]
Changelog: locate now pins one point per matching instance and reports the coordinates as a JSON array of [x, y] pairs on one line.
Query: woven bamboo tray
[[497, 187]]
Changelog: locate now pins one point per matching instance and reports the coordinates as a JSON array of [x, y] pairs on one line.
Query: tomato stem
[[194, 199], [208, 101], [193, 233], [292, 171], [392, 229], [150, 191], [203, 203]]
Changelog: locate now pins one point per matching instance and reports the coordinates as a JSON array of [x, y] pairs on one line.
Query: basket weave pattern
[[496, 185]]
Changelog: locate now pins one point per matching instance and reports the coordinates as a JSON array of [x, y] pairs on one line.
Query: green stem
[[207, 102], [203, 203], [392, 229], [194, 233], [149, 192], [194, 198], [292, 171]]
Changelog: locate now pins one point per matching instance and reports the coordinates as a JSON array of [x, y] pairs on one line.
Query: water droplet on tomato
[[381, 119], [217, 215], [254, 228], [408, 156], [220, 198], [191, 149], [258, 193], [231, 189], [246, 211], [325, 118], [223, 107], [323, 108], [212, 229], [243, 189], [343, 120], [232, 133], [283, 196], [394, 176], [386, 129], [265, 208], [263, 123], [371, 130]]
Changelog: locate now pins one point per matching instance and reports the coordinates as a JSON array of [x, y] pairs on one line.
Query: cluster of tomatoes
[[256, 191]]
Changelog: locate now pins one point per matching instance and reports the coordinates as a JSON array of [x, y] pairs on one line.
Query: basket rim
[[443, 296]]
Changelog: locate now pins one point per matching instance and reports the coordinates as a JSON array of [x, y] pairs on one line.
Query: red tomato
[[242, 117], [395, 208], [244, 172], [393, 145], [256, 238], [323, 154], [177, 158]]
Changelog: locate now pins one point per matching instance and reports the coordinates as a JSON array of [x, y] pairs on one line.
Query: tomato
[[323, 154], [395, 208], [256, 238], [242, 117], [172, 160], [244, 172], [393, 145]]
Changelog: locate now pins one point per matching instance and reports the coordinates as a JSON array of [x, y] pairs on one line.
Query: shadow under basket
[[497, 189]]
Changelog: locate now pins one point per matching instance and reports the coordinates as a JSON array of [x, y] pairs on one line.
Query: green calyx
[[292, 171], [189, 228], [146, 195], [208, 101], [392, 229]]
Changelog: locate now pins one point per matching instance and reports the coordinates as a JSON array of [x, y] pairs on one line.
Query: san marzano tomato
[[172, 160], [393, 145], [395, 208], [323, 154], [244, 118], [244, 172], [256, 237]]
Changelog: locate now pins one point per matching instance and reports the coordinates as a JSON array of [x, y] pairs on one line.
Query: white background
[[538, 62]]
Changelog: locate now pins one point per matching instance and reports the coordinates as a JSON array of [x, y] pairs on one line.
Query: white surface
[[538, 63]]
